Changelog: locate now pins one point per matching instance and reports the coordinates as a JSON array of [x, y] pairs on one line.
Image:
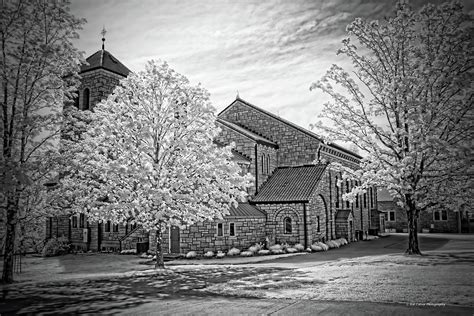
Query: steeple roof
[[102, 59]]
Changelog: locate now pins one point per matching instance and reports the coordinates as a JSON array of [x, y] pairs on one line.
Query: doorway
[[175, 246]]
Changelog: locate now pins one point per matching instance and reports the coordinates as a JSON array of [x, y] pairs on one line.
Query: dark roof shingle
[[292, 184], [245, 210], [105, 60]]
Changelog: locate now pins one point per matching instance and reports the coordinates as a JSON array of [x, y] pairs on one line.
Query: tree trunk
[[160, 264], [413, 248], [12, 207]]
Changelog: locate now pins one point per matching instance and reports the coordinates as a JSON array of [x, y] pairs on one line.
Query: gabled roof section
[[299, 128], [239, 129], [343, 214], [237, 155], [290, 184], [102, 59], [245, 210]]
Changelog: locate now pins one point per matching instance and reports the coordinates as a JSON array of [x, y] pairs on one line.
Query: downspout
[[305, 227], [256, 170], [330, 205]]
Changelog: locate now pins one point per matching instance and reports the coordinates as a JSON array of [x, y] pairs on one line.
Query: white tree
[[38, 72], [408, 106], [148, 155]]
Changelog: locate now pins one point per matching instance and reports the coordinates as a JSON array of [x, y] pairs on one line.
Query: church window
[[365, 199], [220, 229], [287, 225], [107, 226], [318, 222], [82, 220], [337, 192], [371, 198], [231, 229], [263, 163], [85, 99], [74, 221], [440, 215], [268, 164], [115, 228], [357, 196], [347, 191], [390, 216]]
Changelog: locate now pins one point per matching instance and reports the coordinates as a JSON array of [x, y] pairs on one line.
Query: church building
[[295, 197]]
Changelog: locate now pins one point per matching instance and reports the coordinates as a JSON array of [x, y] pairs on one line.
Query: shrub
[[209, 254], [284, 246], [128, 252], [264, 252], [220, 254], [144, 256], [56, 247], [191, 255], [322, 245], [233, 252], [253, 249], [299, 247], [277, 251], [276, 247], [316, 247], [246, 253], [291, 250], [308, 249]]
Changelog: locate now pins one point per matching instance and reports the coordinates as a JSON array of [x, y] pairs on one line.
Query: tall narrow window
[[268, 164], [263, 163], [107, 226], [82, 220], [220, 229], [85, 99], [371, 197], [318, 223], [231, 229], [357, 196], [287, 225], [337, 192], [74, 221], [115, 228], [347, 191], [365, 199]]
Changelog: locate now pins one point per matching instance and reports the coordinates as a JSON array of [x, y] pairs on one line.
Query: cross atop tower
[[103, 32]]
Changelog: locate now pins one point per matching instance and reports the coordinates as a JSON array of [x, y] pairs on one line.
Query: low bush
[[246, 253], [128, 252], [56, 247], [220, 254], [322, 245], [316, 247], [191, 255], [308, 249], [291, 250], [299, 247], [233, 252], [209, 254], [264, 252], [276, 247], [144, 256], [277, 251]]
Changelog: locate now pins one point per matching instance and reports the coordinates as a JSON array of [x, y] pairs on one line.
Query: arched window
[[337, 192], [287, 225], [263, 163], [85, 99], [357, 196], [371, 197], [268, 164], [347, 191]]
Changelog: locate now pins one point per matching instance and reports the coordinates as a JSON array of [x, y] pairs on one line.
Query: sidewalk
[[230, 306]]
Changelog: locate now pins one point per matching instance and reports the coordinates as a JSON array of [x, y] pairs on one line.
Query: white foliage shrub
[[291, 250], [316, 247], [278, 251], [128, 252], [209, 254], [144, 256], [233, 252], [299, 247], [220, 254], [254, 249], [246, 253], [309, 249], [191, 254], [275, 247], [264, 252]]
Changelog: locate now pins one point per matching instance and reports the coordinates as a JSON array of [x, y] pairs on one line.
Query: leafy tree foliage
[[38, 73], [408, 106], [148, 156]]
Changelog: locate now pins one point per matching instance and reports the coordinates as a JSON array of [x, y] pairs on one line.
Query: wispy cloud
[[270, 51]]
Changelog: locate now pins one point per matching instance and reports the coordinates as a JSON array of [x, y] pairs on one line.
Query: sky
[[270, 52]]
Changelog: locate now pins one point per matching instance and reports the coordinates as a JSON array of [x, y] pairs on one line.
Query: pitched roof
[[102, 59], [343, 214], [290, 184], [258, 138], [301, 129], [245, 210]]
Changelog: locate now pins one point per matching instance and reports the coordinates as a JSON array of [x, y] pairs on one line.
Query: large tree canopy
[[148, 154], [38, 73], [407, 103]]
